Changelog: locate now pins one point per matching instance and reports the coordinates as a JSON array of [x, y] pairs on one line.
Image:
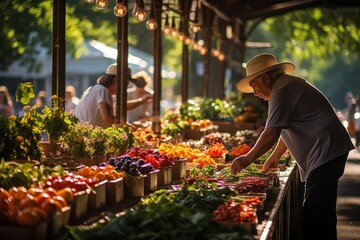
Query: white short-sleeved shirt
[[88, 108], [310, 127]]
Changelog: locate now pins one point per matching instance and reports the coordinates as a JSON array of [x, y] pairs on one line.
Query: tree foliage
[[28, 27], [319, 32], [324, 43]]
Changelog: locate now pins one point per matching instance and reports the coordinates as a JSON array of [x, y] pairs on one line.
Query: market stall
[[70, 190]]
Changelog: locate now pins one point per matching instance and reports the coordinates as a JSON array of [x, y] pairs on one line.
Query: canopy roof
[[250, 9]]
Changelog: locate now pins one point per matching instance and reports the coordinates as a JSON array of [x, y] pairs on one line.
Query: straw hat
[[111, 69], [260, 64]]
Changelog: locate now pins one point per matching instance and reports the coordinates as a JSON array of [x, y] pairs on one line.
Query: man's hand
[[239, 164], [269, 163], [147, 99]]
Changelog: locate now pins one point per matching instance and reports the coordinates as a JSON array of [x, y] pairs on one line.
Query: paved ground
[[348, 205]]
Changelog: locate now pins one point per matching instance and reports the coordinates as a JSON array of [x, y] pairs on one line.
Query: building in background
[[80, 73]]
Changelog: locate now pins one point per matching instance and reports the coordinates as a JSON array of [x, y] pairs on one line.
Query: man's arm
[[265, 142], [275, 156], [133, 103]]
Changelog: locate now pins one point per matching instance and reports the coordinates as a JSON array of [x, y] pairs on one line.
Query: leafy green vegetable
[[13, 174], [157, 221], [178, 215], [25, 92], [207, 170]]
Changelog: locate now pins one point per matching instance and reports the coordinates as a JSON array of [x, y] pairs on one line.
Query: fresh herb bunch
[[172, 123], [25, 92], [13, 174], [55, 121], [119, 139], [98, 141], [208, 171], [78, 140], [21, 134]]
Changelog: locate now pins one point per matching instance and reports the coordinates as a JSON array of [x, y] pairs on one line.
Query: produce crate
[[164, 176], [189, 167], [57, 222], [97, 197], [79, 205], [151, 181], [115, 191], [10, 232], [178, 170], [134, 186]]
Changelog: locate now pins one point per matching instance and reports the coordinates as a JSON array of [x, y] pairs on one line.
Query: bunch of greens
[[201, 195], [119, 139], [207, 170], [172, 129], [186, 214], [172, 123], [209, 108], [55, 121], [251, 170], [19, 138], [159, 222], [13, 174]]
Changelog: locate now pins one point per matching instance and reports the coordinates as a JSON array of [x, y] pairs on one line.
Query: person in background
[[357, 127], [6, 103], [141, 82], [96, 104], [350, 111], [301, 120], [40, 101], [71, 100]]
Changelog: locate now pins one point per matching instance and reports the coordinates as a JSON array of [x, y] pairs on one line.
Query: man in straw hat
[[301, 119], [96, 104]]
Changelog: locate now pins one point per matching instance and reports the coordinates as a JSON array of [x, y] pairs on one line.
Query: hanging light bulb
[[173, 31], [196, 25], [203, 50], [181, 36], [221, 57], [151, 24], [140, 13], [89, 1], [102, 4], [215, 52], [187, 40], [120, 9], [196, 45], [166, 28]]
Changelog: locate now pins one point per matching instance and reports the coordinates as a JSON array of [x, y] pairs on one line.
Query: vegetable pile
[[184, 214]]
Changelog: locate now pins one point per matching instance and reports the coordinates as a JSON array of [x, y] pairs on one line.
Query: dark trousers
[[319, 206]]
